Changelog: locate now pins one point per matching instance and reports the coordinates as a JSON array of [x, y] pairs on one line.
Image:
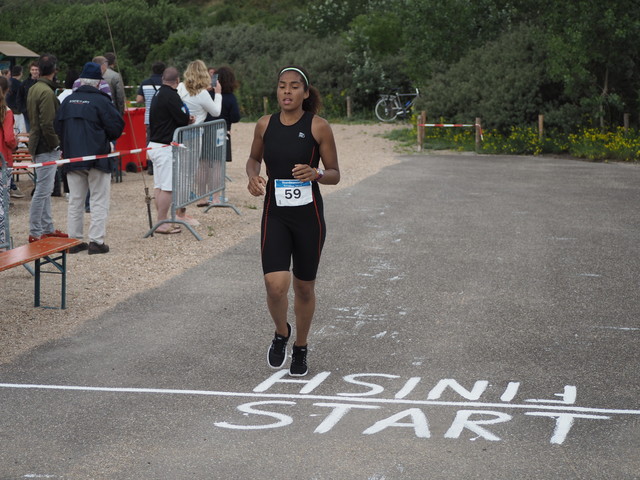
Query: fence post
[[478, 134], [626, 123], [265, 105], [540, 127], [422, 119], [348, 106]]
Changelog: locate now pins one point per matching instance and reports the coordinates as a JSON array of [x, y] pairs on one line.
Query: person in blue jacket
[[87, 123]]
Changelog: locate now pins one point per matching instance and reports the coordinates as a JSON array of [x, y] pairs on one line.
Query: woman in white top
[[195, 93], [71, 77]]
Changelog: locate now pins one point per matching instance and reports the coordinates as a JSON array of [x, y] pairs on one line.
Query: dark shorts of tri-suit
[[293, 234]]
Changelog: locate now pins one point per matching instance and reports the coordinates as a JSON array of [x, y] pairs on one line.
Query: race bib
[[293, 193]]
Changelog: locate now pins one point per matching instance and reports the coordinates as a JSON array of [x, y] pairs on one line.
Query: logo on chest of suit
[[301, 135]]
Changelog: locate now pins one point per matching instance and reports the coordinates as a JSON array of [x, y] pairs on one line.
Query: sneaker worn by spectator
[[298, 361], [16, 193], [55, 233], [95, 248], [79, 248], [277, 353]]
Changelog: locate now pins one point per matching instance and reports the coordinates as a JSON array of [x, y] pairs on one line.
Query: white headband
[[295, 70]]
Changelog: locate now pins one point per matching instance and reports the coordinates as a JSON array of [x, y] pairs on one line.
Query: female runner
[[292, 143]]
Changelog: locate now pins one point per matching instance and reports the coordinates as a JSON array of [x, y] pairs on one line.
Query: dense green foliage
[[76, 32], [503, 60]]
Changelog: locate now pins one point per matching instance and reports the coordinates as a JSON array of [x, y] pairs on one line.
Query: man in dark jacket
[[87, 122]]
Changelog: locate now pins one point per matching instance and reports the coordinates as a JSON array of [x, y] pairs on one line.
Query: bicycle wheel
[[387, 109]]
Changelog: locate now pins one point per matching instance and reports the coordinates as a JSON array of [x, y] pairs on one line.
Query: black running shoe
[[79, 248], [95, 248], [298, 361], [277, 354]]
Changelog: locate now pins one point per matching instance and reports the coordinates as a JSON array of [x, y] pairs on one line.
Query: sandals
[[170, 231]]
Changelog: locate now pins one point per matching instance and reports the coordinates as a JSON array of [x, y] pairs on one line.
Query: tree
[[437, 34], [129, 27], [256, 53], [503, 82], [594, 49]]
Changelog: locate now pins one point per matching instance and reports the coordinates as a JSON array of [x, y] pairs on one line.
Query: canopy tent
[[14, 49]]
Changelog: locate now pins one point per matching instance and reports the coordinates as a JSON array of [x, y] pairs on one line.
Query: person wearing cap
[[103, 86], [87, 124]]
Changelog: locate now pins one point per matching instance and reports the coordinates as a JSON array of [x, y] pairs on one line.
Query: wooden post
[[540, 127], [478, 134], [626, 123], [348, 106], [422, 119], [265, 104]]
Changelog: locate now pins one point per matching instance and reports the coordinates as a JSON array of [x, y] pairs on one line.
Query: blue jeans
[[40, 217]]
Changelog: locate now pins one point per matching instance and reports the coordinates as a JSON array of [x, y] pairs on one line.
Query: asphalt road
[[478, 318]]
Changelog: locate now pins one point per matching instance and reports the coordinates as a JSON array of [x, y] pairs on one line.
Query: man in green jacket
[[44, 146]]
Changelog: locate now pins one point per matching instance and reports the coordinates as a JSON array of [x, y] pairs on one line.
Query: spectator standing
[[69, 80], [168, 112], [8, 141], [7, 145], [44, 146], [34, 74], [14, 98], [230, 113], [195, 93], [114, 80], [87, 122], [103, 86], [147, 90]]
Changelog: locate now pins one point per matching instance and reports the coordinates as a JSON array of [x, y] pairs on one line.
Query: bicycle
[[394, 105]]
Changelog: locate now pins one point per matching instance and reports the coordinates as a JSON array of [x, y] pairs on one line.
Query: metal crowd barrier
[[199, 168], [5, 186]]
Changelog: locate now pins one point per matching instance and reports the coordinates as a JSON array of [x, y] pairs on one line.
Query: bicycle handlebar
[[396, 91]]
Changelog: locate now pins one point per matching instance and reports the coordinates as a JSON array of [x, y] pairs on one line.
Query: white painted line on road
[[629, 329], [389, 401]]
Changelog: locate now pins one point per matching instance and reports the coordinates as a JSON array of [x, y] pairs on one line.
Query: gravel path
[[98, 282]]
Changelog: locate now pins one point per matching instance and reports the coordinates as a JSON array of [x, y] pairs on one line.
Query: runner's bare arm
[[256, 182], [328, 153]]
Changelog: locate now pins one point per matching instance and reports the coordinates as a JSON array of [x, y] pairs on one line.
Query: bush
[[502, 82], [78, 32], [588, 143], [256, 54], [598, 145]]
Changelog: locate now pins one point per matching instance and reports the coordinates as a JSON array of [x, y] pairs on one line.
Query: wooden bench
[[50, 250]]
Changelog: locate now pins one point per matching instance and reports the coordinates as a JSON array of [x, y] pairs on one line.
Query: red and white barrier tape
[[96, 157], [453, 125]]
